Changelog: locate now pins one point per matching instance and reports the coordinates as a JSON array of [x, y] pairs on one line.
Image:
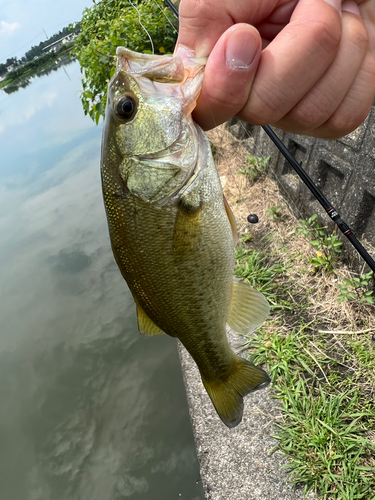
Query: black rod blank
[[172, 7], [344, 228]]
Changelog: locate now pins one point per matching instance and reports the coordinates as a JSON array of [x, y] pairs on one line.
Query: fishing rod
[[328, 207], [330, 210], [172, 7]]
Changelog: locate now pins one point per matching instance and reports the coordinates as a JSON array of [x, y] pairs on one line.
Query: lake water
[[89, 409]]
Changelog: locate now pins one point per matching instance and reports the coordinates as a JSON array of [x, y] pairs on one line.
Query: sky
[[22, 22]]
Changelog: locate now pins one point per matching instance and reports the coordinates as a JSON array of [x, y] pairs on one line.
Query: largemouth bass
[[172, 232]]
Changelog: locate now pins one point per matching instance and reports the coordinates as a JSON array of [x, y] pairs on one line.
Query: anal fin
[[248, 309], [145, 325]]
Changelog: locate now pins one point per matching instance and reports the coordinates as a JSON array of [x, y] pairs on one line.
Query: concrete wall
[[343, 169]]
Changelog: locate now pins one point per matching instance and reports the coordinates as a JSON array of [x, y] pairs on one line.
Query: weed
[[253, 268], [356, 288], [254, 168], [246, 238], [274, 212], [327, 420], [324, 380], [327, 246], [329, 442]]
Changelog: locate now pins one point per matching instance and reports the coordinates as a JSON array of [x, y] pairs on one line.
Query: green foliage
[[274, 212], [112, 23], [327, 246], [246, 238], [323, 380], [254, 167], [357, 288]]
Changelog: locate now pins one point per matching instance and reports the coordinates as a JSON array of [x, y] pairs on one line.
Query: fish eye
[[126, 108]]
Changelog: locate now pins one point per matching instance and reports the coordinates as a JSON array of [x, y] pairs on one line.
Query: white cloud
[[7, 29], [46, 99], [13, 119]]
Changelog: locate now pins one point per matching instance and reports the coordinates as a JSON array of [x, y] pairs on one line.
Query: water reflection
[[89, 409], [10, 89], [22, 82]]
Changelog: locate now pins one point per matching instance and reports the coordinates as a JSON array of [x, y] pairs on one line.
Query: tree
[[11, 61], [37, 50], [112, 23]]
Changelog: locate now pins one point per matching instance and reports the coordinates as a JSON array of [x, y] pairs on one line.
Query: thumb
[[228, 75], [201, 23]]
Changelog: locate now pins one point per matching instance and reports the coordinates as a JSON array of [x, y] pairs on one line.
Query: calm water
[[89, 409]]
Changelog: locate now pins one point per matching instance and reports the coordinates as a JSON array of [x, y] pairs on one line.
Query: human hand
[[315, 74]]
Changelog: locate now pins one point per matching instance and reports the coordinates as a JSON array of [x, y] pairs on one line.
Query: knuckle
[[345, 121], [196, 9], [262, 108], [325, 34], [310, 114], [359, 36], [226, 97]]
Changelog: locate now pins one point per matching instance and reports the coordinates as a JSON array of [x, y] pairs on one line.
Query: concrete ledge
[[235, 464]]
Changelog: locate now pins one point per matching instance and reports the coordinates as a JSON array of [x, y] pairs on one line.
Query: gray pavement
[[235, 463]]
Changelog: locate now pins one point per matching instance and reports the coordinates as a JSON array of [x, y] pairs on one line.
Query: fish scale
[[171, 232]]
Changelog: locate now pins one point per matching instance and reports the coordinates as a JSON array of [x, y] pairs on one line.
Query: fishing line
[[328, 207], [140, 22], [28, 43], [166, 17]]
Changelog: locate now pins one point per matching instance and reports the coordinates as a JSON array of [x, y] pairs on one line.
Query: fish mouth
[[161, 68]]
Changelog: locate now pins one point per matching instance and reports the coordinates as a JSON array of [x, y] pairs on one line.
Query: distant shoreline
[[21, 75]]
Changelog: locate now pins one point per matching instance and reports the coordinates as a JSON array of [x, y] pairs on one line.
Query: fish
[[172, 232]]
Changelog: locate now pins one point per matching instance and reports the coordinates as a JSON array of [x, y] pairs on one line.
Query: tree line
[[37, 50]]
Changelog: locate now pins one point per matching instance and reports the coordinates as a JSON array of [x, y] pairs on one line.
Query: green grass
[[253, 268], [325, 383]]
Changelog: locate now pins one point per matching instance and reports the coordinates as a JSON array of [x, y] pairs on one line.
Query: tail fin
[[227, 395]]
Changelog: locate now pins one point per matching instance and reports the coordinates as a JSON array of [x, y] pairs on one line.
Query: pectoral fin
[[145, 325], [188, 227], [232, 221], [249, 308]]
